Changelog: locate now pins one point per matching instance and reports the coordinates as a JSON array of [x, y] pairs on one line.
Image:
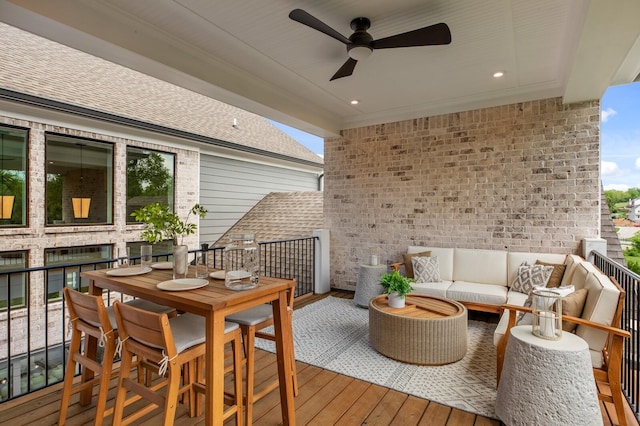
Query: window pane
[[79, 181], [12, 286], [150, 179], [69, 276], [13, 166]]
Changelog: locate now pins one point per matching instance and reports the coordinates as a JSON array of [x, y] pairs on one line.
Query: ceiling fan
[[360, 44]]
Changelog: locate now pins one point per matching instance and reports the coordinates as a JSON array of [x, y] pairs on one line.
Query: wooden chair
[[606, 375], [172, 344], [90, 317], [251, 322]]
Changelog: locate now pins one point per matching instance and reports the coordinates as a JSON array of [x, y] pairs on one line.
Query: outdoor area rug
[[333, 334]]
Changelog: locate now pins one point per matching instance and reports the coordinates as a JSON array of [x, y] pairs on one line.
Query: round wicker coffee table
[[429, 330]]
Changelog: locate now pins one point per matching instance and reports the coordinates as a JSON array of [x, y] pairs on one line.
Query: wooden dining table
[[213, 301]]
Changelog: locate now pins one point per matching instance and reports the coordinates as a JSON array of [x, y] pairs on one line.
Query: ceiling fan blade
[[427, 36], [345, 70], [303, 17]]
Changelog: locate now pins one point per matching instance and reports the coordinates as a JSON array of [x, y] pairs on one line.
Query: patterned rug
[[333, 334]]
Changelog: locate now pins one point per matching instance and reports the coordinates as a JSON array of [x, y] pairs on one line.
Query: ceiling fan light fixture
[[360, 53]]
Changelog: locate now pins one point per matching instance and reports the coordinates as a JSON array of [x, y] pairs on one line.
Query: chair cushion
[[252, 316], [572, 305], [571, 263], [189, 330], [140, 304]]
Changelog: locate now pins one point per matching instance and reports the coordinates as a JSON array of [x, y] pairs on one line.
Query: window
[[13, 177], [69, 276], [12, 285], [150, 179], [79, 181]]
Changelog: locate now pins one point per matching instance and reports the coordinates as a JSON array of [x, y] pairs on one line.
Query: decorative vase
[[241, 262], [395, 301], [180, 264]]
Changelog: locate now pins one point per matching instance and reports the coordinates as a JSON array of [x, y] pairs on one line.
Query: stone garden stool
[[368, 284], [547, 382]]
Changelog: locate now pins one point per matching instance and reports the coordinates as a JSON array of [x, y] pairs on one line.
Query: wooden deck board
[[326, 398]]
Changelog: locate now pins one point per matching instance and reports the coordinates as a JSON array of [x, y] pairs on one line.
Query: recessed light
[[498, 74], [355, 102]]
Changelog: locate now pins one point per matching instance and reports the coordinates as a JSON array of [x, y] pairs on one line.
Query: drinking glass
[[146, 255]]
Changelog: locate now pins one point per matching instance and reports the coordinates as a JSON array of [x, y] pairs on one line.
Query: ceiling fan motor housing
[[360, 47]]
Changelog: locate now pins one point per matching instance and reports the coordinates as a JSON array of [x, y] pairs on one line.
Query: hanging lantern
[[81, 204]]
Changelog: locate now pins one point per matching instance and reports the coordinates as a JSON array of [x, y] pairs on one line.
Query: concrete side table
[[368, 284], [547, 382]]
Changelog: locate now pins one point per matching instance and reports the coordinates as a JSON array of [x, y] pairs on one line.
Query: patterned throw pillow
[[529, 276], [426, 269], [408, 264]]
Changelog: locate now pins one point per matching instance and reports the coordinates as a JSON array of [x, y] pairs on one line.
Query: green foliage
[[161, 224], [54, 197], [148, 176], [617, 200], [394, 282]]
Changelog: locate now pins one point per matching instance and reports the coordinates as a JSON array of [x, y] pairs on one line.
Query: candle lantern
[[374, 259], [547, 314]]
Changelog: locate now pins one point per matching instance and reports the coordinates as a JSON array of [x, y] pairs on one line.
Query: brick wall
[[522, 177]]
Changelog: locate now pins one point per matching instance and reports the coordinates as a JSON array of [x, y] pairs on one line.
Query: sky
[[619, 133], [620, 137]]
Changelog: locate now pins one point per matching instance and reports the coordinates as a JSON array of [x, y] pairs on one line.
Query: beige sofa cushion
[[445, 259], [480, 266], [600, 306], [432, 289], [487, 294], [572, 261]]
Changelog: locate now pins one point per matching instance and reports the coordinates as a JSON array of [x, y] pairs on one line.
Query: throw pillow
[[530, 276], [572, 305], [556, 275], [408, 266], [426, 269]]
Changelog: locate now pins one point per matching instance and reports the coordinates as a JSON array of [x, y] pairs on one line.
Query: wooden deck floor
[[326, 398]]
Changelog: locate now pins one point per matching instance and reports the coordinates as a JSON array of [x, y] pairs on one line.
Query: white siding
[[230, 188]]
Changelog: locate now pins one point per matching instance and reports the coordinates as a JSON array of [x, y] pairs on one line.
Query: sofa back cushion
[[445, 259], [480, 266], [581, 273], [600, 307], [515, 259], [571, 263]]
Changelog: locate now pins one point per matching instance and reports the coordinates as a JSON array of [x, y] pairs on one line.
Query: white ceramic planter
[[396, 301]]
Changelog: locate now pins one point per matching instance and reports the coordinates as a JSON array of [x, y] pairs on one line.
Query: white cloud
[[609, 168], [638, 163], [605, 114], [617, 187]]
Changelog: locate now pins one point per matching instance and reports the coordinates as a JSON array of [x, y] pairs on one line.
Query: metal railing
[[34, 331], [629, 281]]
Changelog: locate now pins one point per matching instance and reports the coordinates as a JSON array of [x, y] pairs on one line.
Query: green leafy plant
[[395, 283], [161, 224]]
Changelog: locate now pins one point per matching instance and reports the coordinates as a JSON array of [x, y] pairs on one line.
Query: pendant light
[[6, 201], [81, 205]]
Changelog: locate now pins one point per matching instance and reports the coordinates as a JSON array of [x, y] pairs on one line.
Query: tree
[[148, 176]]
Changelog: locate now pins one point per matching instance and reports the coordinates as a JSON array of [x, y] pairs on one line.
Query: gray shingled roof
[[34, 65], [608, 232], [281, 215]]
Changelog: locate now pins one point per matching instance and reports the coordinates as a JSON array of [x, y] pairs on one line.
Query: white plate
[[218, 275], [162, 265], [182, 284], [128, 272]]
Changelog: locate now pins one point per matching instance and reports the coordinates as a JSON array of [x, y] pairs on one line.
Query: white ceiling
[[250, 54]]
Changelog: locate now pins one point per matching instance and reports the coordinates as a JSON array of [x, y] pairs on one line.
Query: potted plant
[[161, 224], [397, 287]]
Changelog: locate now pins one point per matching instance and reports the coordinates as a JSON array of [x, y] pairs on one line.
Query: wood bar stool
[[90, 317], [251, 322], [172, 344]]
